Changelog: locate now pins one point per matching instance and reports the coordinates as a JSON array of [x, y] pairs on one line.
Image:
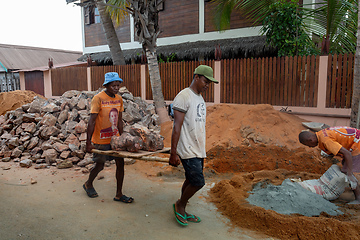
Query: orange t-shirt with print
[[332, 139], [108, 109]]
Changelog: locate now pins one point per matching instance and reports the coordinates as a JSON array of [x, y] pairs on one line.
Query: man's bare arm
[[90, 131], [348, 159], [174, 159]]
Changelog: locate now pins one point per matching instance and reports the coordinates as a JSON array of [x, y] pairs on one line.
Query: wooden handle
[[155, 159], [143, 158]]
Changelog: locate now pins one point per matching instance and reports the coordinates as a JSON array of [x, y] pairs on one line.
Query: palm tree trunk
[[116, 53], [155, 80], [355, 117]]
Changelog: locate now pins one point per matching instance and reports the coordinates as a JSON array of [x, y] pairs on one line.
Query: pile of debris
[[53, 131]]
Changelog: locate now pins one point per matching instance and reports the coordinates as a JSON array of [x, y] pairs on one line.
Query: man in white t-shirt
[[188, 139]]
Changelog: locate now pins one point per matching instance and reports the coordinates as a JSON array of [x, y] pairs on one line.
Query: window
[[97, 15], [91, 15]]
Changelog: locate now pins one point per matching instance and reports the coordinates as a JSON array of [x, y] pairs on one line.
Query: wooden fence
[[70, 78], [176, 76], [131, 75], [340, 81], [281, 81]]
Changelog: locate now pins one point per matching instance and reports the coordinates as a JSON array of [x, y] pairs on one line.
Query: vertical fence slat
[[338, 81], [349, 81], [344, 80], [333, 82], [286, 81]]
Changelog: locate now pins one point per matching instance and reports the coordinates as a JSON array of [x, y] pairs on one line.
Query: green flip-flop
[[178, 215], [193, 218]]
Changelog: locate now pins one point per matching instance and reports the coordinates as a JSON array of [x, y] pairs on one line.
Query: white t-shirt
[[193, 135]]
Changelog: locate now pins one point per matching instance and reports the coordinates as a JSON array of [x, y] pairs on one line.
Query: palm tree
[[333, 20], [355, 113], [117, 54], [336, 22], [145, 16]]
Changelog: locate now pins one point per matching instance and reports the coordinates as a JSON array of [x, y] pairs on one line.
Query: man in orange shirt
[[106, 121], [338, 141]]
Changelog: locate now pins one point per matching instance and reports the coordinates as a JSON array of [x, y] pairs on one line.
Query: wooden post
[[143, 81], [88, 78], [323, 67], [47, 84], [217, 76]]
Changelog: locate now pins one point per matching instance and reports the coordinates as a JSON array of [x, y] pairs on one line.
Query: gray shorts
[[100, 158]]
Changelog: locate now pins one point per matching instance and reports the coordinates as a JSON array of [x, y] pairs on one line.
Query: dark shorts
[[100, 158], [194, 171]]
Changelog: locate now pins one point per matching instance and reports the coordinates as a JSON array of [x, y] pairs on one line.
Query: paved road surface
[[56, 207]]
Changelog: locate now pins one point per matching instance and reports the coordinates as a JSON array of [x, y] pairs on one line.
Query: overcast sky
[[41, 23]]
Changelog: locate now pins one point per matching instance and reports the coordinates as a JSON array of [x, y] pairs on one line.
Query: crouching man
[[339, 141]]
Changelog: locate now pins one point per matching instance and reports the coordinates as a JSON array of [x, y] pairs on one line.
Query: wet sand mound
[[230, 198]]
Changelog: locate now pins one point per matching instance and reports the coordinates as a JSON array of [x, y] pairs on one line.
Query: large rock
[[25, 163], [64, 164], [50, 156]]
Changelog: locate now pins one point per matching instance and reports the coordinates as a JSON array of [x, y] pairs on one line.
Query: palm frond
[[119, 12]]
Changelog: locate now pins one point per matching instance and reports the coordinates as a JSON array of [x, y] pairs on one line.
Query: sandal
[[192, 218], [180, 218], [124, 199], [90, 192]]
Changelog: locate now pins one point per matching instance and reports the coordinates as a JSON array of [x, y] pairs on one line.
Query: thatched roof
[[230, 48]]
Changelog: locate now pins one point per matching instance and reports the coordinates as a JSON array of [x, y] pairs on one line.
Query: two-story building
[[187, 33]]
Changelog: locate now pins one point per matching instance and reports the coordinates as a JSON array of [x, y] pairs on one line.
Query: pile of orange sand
[[259, 144], [15, 99], [245, 138], [233, 125]]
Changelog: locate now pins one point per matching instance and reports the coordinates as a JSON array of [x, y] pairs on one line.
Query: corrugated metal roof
[[45, 68], [15, 57]]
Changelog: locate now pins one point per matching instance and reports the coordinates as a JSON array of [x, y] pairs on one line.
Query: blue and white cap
[[111, 77]]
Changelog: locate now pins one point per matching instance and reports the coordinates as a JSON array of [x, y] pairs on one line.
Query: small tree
[[334, 21], [284, 29]]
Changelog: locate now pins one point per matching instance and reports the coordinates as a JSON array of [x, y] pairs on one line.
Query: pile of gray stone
[[52, 132]]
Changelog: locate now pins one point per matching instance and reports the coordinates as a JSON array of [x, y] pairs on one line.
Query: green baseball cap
[[207, 72]]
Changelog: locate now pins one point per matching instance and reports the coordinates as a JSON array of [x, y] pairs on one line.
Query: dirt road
[[56, 207]]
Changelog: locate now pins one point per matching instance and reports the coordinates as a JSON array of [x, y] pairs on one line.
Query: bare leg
[[119, 177], [185, 184], [93, 173], [187, 191]]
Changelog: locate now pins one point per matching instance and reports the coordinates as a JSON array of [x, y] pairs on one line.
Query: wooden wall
[[237, 20], [179, 18], [95, 36]]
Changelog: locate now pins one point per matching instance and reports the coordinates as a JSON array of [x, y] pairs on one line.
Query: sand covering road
[[255, 144]]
